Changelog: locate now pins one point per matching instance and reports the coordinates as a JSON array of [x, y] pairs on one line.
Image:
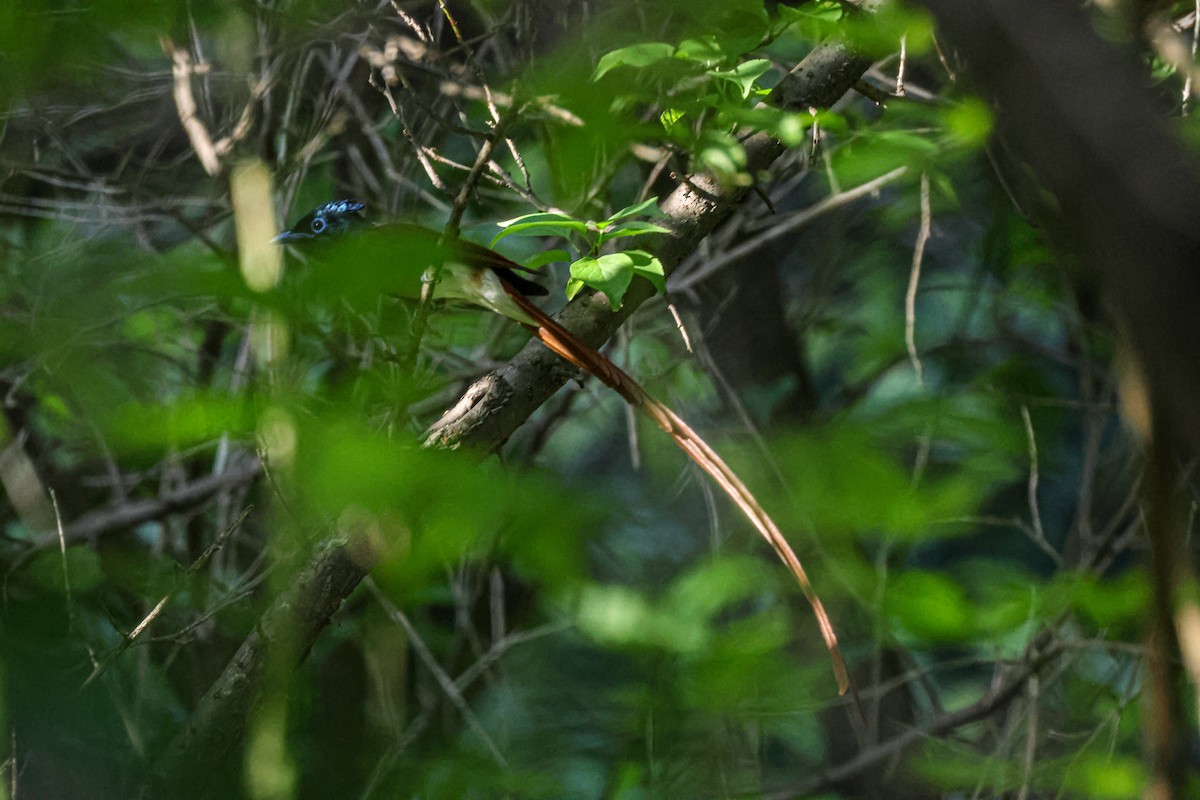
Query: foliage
[[610, 273], [579, 617]]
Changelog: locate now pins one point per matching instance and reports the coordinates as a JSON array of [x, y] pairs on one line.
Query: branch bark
[[290, 626]]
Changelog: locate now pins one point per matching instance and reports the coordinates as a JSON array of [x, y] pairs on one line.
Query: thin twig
[[914, 279], [127, 515], [453, 693], [1031, 731], [1040, 652], [128, 640], [421, 318], [185, 104], [1031, 489], [62, 551]]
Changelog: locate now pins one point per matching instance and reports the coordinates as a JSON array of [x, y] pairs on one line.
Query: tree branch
[[127, 515], [1040, 652], [292, 624]]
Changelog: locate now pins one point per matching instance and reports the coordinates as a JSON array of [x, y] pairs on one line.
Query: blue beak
[[291, 236]]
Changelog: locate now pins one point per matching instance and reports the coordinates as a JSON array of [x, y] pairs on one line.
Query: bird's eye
[[318, 225]]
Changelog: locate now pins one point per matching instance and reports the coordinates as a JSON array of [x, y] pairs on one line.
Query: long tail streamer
[[569, 347]]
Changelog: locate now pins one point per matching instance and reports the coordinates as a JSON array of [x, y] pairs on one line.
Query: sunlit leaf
[[635, 228], [539, 225], [648, 207]]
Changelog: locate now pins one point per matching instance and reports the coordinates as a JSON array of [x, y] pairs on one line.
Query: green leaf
[[613, 273], [632, 228], [970, 122], [636, 55], [879, 34], [811, 20], [1104, 777], [537, 216], [721, 153], [825, 10], [649, 267], [542, 224], [929, 605], [789, 127], [909, 141], [743, 75], [619, 616], [610, 274], [670, 118], [705, 50], [648, 207], [743, 30]]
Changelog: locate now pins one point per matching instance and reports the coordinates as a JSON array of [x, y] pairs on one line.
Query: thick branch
[[292, 624]]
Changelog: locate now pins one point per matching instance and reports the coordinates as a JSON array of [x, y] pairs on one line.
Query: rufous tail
[[587, 358]]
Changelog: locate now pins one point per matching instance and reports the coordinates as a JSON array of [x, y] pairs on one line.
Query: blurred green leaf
[[633, 228], [743, 75], [970, 122], [548, 257], [636, 55], [83, 570], [705, 50], [931, 607], [722, 153], [1104, 777]]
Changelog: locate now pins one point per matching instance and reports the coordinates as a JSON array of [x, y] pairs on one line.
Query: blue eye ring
[[318, 225]]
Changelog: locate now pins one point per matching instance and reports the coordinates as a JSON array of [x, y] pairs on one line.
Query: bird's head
[[328, 220]]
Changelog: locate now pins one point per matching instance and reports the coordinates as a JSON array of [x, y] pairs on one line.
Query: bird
[[478, 275]]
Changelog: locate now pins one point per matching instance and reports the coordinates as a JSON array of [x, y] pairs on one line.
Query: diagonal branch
[[126, 515], [1041, 651]]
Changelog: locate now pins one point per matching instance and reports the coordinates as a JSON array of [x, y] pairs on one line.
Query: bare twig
[[185, 103], [430, 661], [1007, 688], [1031, 490], [914, 278], [128, 640], [122, 517], [421, 317]]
